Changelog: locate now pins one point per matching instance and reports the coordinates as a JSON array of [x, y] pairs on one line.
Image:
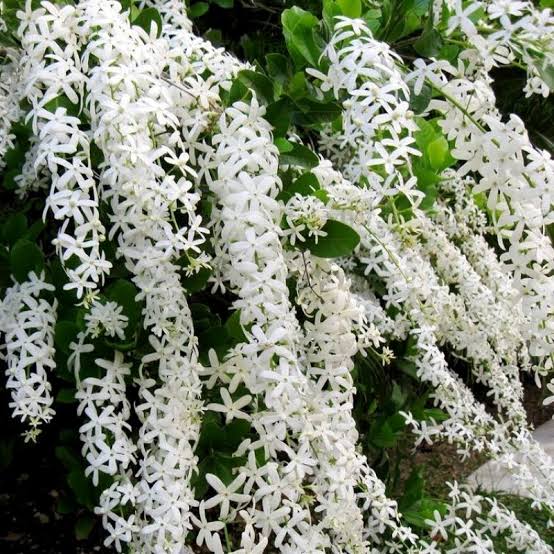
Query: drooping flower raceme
[[27, 322], [127, 98], [51, 33], [376, 138], [9, 102], [504, 32], [515, 176], [162, 171]]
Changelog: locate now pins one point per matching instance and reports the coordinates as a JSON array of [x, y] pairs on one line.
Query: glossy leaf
[[339, 241], [300, 31], [25, 256]]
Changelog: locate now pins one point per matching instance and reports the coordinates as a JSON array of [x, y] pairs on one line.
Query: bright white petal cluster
[[27, 320], [188, 182], [52, 33], [504, 32], [9, 102], [377, 124]]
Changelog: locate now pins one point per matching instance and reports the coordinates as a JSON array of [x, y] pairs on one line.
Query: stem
[[228, 543], [390, 254], [457, 104]]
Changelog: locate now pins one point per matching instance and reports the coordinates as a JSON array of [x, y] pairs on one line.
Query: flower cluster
[[515, 176], [376, 138], [305, 213], [52, 33], [501, 32], [9, 104], [27, 322], [163, 178], [103, 402]]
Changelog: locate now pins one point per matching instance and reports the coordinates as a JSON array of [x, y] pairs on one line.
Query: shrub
[[252, 278]]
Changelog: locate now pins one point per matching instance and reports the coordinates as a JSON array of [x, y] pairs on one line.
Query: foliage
[[252, 282]]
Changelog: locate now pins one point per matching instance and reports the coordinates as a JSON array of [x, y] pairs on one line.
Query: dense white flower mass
[[9, 106], [27, 322], [230, 426]]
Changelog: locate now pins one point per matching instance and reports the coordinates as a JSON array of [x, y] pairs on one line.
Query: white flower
[[226, 494], [206, 529], [106, 318], [231, 408], [549, 399], [439, 525], [27, 322]]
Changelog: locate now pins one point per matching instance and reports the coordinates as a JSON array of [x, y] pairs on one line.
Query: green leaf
[[203, 317], [82, 488], [421, 510], [283, 145], [339, 241], [279, 114], [65, 332], [413, 489], [407, 366], [62, 101], [8, 39], [382, 436], [197, 281], [421, 7], [34, 230], [350, 8], [8, 178], [66, 396], [214, 36], [315, 113], [419, 102], [210, 434], [15, 157], [124, 293], [331, 9], [226, 4], [373, 20], [234, 328], [429, 43], [217, 464], [233, 434], [425, 134], [198, 9], [449, 52], [435, 413], [437, 151], [300, 31], [426, 182], [25, 256], [237, 93], [398, 398], [322, 195], [215, 337], [305, 185], [300, 156], [259, 83], [278, 67], [83, 526], [148, 17], [297, 87], [14, 228]]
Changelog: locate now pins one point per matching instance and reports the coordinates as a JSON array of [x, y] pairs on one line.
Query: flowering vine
[[210, 288]]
